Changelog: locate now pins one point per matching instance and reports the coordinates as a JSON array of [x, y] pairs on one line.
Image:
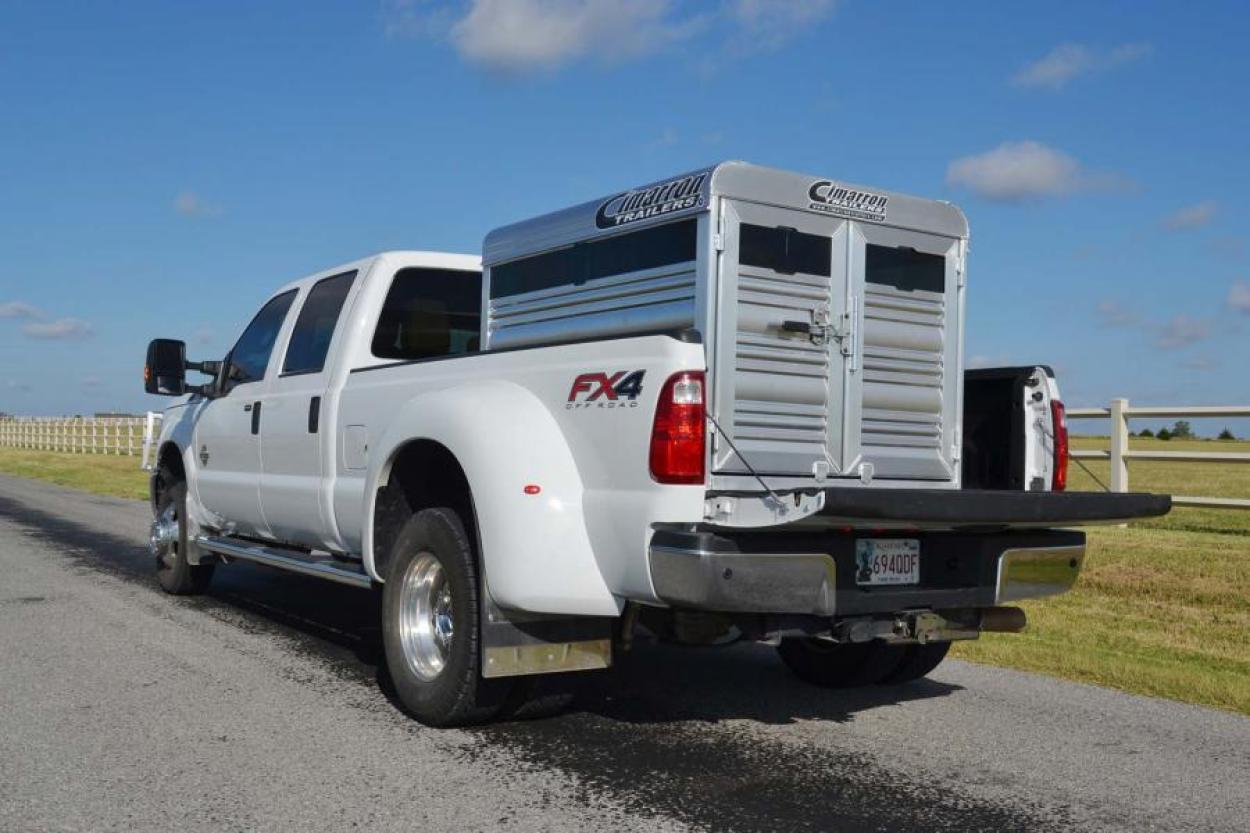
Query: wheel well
[[423, 474], [170, 458]]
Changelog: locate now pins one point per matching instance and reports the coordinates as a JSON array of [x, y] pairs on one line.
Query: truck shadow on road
[[652, 684], [696, 735]]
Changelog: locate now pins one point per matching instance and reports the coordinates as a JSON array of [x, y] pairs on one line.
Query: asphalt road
[[263, 706]]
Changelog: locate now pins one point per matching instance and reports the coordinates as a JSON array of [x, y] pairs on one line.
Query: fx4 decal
[[603, 390]]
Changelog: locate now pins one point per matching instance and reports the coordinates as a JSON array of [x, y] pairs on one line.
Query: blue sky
[[164, 166]]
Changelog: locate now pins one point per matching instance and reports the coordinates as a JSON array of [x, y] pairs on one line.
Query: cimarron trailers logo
[[653, 201], [832, 198]]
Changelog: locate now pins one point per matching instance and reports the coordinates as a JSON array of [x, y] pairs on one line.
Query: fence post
[[1119, 445]]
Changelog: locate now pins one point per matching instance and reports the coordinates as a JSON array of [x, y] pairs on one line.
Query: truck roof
[[692, 192], [435, 260], [396, 258]]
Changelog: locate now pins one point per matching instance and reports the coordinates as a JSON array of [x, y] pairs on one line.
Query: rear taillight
[[1059, 421], [679, 434]]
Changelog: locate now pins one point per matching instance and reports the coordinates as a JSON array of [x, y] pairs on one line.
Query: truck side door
[[296, 418], [227, 434]]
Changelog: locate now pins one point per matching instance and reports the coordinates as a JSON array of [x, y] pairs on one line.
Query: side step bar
[[270, 557]]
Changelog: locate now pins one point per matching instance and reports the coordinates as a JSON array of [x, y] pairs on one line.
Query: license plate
[[887, 561]]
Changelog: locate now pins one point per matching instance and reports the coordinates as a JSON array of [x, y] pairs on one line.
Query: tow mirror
[[165, 373]]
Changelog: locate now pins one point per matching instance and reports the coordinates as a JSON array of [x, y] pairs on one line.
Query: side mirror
[[165, 373]]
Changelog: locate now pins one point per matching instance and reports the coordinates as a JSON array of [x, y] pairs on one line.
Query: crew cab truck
[[728, 405]]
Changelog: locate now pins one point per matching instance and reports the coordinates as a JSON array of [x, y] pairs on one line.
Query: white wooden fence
[[82, 435], [134, 435], [1120, 454]]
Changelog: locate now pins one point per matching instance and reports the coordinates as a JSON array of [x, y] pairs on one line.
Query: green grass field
[[1163, 607], [103, 474]]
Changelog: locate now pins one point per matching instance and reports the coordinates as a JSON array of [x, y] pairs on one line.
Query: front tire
[[431, 627], [168, 541]]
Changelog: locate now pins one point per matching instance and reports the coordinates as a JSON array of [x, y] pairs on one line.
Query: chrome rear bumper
[[814, 574], [747, 583], [1034, 572]]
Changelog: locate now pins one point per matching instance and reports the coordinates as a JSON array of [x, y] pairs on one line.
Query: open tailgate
[[962, 508]]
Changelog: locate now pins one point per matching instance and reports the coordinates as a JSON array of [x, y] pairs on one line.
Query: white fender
[[535, 548]]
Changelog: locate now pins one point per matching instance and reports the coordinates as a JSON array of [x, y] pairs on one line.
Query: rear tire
[[174, 573], [918, 661], [839, 665], [431, 625]]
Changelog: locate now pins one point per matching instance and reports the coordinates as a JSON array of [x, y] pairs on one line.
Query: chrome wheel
[[163, 539], [426, 628]]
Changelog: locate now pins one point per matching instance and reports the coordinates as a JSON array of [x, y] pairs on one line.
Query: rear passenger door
[[295, 422]]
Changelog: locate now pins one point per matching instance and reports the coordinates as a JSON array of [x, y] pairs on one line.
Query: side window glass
[[314, 328], [250, 355], [784, 250], [905, 268], [646, 249], [430, 313]]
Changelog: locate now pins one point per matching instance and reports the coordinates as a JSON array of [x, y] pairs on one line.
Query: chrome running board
[[284, 560]]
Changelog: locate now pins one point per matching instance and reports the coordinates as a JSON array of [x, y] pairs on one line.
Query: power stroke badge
[[839, 200], [653, 201]]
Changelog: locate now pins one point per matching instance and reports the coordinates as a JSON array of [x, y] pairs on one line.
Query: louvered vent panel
[[637, 302], [903, 371]]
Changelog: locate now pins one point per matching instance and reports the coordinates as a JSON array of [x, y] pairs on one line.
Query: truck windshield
[[430, 313]]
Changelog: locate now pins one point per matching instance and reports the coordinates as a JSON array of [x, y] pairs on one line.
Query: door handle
[[247, 407], [256, 418], [314, 414]]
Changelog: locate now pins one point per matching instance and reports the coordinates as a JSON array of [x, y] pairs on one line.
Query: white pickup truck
[[728, 405]]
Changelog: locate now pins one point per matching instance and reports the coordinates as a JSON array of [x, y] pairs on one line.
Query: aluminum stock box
[[831, 314]]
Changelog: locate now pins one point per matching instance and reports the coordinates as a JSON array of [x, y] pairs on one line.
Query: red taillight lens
[[1059, 419], [679, 434]]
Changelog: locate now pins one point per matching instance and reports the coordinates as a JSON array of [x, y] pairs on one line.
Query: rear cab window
[[430, 313]]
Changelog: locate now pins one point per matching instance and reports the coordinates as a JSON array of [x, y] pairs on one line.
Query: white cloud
[[191, 204], [1025, 171], [1239, 297], [526, 36], [768, 24], [417, 17], [38, 326], [60, 329], [1191, 216], [1115, 314], [1182, 331], [19, 309], [20, 387], [91, 382], [1069, 61]]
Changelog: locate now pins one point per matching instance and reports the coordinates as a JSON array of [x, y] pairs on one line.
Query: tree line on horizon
[[1180, 430]]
